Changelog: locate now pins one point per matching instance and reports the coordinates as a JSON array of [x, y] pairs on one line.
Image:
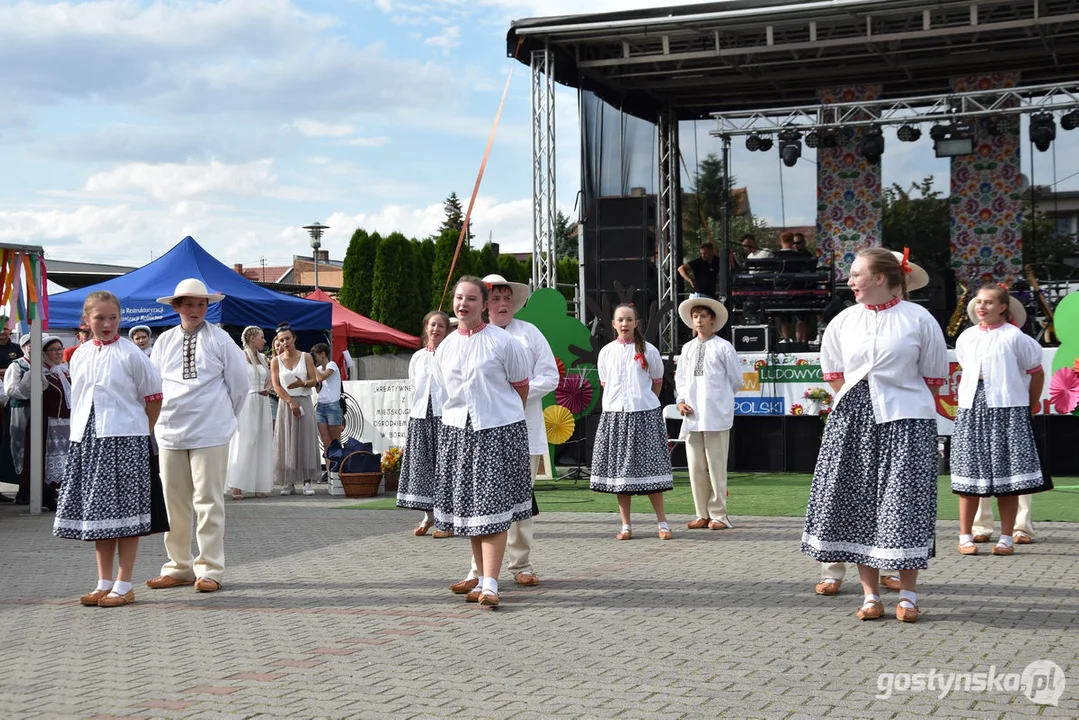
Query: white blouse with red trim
[[1004, 357], [116, 379], [898, 348], [479, 371]]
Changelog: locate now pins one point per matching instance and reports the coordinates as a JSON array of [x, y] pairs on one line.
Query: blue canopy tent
[[245, 302]]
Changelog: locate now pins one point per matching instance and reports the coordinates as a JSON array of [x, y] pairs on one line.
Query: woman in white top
[[107, 493], [484, 481], [993, 452], [295, 434], [629, 455], [874, 495], [251, 448], [417, 484]]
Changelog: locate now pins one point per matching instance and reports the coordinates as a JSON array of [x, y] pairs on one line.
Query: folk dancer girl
[[416, 487], [874, 495], [629, 456], [993, 451], [107, 489], [251, 448], [484, 481]]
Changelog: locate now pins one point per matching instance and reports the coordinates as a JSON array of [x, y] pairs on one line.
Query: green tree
[[455, 217], [358, 270], [485, 261], [918, 217], [706, 198], [1041, 241], [568, 276], [512, 269], [565, 234], [445, 246], [394, 300], [423, 259]]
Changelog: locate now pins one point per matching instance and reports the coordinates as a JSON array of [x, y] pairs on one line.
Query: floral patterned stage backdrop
[[986, 217], [848, 190]]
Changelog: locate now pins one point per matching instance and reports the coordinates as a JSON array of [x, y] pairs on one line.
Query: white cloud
[[449, 38], [313, 128], [169, 182], [368, 141]]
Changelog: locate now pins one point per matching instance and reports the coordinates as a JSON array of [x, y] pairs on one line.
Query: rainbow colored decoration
[[24, 295], [848, 189]]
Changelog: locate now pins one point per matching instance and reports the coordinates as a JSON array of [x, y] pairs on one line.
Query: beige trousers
[[194, 484], [983, 519], [838, 570], [519, 538], [706, 454]]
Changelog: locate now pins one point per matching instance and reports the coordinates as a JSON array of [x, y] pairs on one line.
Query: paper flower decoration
[[797, 409], [561, 368], [574, 393], [801, 361], [759, 364], [560, 424], [1064, 390]]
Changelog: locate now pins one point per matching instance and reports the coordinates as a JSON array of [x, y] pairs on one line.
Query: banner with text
[[384, 405]]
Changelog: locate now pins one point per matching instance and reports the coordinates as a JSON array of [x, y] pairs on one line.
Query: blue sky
[[127, 125]]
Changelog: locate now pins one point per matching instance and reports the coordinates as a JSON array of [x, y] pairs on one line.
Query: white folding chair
[[670, 412]]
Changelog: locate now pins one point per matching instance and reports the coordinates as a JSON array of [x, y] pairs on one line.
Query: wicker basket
[[359, 485]]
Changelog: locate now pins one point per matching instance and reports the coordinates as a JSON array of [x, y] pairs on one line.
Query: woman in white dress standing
[[251, 448], [296, 456]]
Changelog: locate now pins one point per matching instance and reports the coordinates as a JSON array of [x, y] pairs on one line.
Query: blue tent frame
[[245, 302]]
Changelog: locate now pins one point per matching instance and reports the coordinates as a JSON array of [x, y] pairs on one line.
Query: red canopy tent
[[348, 324]]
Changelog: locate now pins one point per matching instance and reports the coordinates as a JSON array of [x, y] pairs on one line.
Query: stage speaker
[[802, 436], [752, 338], [1058, 434], [757, 443], [639, 212]]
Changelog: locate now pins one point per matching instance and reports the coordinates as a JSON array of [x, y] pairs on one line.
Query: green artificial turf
[[759, 494]]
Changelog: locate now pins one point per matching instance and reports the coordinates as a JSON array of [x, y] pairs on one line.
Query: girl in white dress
[[251, 448], [296, 434]]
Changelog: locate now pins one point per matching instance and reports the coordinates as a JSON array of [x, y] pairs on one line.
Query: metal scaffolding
[[544, 261], [668, 231]]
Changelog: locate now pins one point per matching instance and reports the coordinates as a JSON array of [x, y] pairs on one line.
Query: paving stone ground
[[331, 613]]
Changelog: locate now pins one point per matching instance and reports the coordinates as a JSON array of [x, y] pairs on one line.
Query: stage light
[[938, 132], [790, 147], [1001, 125], [753, 143], [766, 143], [953, 146], [871, 146], [1043, 131], [909, 133], [813, 138], [1070, 121]]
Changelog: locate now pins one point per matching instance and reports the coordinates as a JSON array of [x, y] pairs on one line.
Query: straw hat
[[685, 311], [917, 278], [521, 292], [1018, 312], [194, 288]]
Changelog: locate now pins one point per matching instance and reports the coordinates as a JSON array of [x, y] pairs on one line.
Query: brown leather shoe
[[871, 611], [422, 529], [441, 534], [906, 614], [665, 534], [624, 535], [828, 586], [717, 525], [114, 600], [698, 524], [473, 595], [489, 599], [465, 586], [999, 549], [163, 582], [981, 538], [91, 599], [890, 582], [1021, 538], [968, 549], [205, 584], [526, 579]]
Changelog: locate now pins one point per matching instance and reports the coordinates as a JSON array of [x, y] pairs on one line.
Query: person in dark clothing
[[705, 271], [800, 245], [9, 353]]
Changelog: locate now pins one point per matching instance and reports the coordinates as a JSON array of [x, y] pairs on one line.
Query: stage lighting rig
[[1043, 130], [909, 133], [790, 147], [820, 138], [753, 142], [951, 140], [871, 146], [1070, 121], [766, 143], [1001, 125]]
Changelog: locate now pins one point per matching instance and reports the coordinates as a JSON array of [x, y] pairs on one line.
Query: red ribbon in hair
[[640, 358], [905, 263], [1002, 285]]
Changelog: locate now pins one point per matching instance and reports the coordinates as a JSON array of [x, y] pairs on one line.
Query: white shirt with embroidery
[[542, 379], [424, 387], [706, 378], [899, 348], [479, 370], [199, 410], [116, 380], [1004, 357], [627, 386]]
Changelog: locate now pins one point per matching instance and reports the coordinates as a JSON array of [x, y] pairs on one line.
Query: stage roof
[[755, 54]]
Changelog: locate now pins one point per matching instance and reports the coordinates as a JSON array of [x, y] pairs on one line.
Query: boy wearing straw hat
[[204, 376], [707, 377]]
